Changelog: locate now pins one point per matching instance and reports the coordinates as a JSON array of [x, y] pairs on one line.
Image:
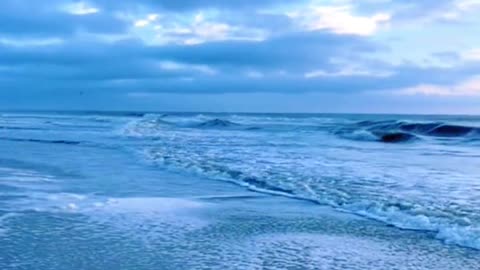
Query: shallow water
[[162, 191]]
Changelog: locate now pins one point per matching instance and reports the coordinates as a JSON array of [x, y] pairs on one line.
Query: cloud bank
[[157, 55]]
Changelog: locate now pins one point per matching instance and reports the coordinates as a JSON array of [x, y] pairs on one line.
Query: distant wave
[[391, 131], [67, 142], [388, 131], [150, 122], [133, 114], [152, 125], [20, 128], [437, 129], [217, 123]]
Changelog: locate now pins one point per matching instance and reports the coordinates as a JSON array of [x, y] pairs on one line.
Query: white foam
[[360, 135], [67, 197], [148, 205], [42, 201], [164, 217], [26, 180], [72, 206], [446, 229], [23, 175], [127, 214], [467, 236]]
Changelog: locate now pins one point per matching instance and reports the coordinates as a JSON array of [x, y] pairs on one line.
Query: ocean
[[134, 190]]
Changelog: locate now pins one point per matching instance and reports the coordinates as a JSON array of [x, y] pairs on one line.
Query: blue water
[[238, 191]]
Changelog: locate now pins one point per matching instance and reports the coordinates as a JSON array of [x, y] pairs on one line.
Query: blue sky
[[387, 56]]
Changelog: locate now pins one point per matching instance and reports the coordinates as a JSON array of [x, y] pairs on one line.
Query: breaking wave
[[360, 181], [390, 131], [448, 227]]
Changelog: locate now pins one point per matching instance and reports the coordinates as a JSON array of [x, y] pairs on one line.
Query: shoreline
[[215, 224]]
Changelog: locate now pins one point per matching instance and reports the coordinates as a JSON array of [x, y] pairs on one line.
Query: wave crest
[[217, 122], [391, 131]]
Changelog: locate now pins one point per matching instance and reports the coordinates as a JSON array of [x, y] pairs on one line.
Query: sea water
[[97, 190]]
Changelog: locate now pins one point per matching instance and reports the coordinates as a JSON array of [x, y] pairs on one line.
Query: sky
[[365, 56]]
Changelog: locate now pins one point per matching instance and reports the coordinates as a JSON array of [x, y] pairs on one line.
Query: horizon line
[[92, 111]]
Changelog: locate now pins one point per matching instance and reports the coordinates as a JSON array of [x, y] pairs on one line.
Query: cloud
[[57, 19], [192, 28], [293, 54], [80, 8], [349, 71], [113, 50], [30, 42], [469, 87], [472, 55], [189, 5], [149, 19], [174, 66], [432, 11], [338, 19]]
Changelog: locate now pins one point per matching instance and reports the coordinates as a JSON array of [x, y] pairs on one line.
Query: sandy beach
[[227, 227]]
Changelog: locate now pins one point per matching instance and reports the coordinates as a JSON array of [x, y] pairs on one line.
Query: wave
[[395, 137], [448, 226], [452, 131], [20, 128], [155, 123], [355, 184], [393, 131], [387, 131], [4, 217], [459, 232], [217, 122], [435, 129], [400, 215], [67, 142]]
